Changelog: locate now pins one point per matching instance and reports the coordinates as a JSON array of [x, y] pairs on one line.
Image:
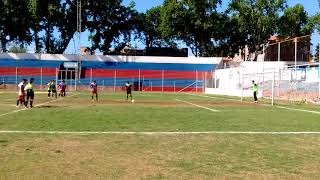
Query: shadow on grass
[[50, 107]]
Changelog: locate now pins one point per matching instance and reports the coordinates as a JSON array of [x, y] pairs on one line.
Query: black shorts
[[128, 91], [30, 95], [49, 91], [54, 91]]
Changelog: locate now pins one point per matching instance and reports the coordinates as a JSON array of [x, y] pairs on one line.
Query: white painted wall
[[231, 81], [141, 59]]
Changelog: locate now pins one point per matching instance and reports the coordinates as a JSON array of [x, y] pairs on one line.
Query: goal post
[[265, 81], [289, 84], [69, 76]]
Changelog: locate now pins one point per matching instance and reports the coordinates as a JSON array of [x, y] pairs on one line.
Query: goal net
[[290, 84]]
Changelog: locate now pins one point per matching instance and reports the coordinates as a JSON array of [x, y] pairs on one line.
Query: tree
[[228, 38], [110, 22], [49, 17], [63, 16], [36, 9], [257, 20], [149, 27], [194, 22], [17, 49], [14, 23], [316, 20], [317, 53], [294, 22]]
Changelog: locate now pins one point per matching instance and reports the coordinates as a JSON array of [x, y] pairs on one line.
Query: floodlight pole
[[279, 57], [319, 53], [295, 56], [319, 70], [79, 29], [272, 88], [264, 58], [242, 88]]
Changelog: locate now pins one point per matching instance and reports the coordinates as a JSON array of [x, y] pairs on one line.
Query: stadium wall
[[231, 81], [154, 73]]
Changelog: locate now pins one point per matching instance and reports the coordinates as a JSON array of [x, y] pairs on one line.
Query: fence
[[299, 83], [109, 80], [295, 50]]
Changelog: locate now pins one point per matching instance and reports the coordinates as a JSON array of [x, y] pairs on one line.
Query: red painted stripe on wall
[[155, 74], [9, 71], [173, 89], [12, 71], [169, 89], [105, 73]]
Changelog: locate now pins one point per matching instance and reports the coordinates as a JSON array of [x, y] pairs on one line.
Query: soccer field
[[159, 136]]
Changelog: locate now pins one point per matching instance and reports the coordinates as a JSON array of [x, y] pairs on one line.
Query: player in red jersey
[[62, 89], [94, 90]]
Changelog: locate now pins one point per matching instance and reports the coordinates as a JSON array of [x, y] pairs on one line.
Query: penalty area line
[[213, 97], [203, 107], [301, 110], [159, 133], [280, 107]]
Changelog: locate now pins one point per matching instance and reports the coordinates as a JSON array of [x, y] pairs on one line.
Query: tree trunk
[[37, 41], [48, 39], [4, 45], [48, 36], [256, 54]]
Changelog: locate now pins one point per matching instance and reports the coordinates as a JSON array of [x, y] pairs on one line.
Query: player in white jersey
[[21, 92], [128, 87]]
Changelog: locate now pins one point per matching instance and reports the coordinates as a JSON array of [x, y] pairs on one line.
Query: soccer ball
[[132, 101]]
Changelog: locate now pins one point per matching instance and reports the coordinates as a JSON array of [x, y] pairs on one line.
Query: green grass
[[185, 156], [159, 157], [156, 112]]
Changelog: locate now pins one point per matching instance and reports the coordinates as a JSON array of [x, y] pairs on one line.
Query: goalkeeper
[[255, 91]]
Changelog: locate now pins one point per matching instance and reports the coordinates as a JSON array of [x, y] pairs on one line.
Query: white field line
[[145, 95], [15, 111], [301, 110], [161, 133], [203, 107], [211, 97], [280, 107]]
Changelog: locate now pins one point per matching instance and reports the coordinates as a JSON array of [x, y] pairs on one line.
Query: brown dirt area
[[163, 103]]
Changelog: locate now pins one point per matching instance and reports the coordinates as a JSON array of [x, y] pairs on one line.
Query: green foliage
[[197, 23], [14, 22], [109, 22], [149, 26], [295, 22], [17, 49], [315, 20], [51, 24], [257, 20]]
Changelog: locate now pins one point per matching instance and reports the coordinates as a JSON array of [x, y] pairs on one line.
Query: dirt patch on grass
[[172, 103]]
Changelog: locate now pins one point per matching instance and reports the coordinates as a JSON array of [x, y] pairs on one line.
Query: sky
[[311, 6], [142, 5]]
